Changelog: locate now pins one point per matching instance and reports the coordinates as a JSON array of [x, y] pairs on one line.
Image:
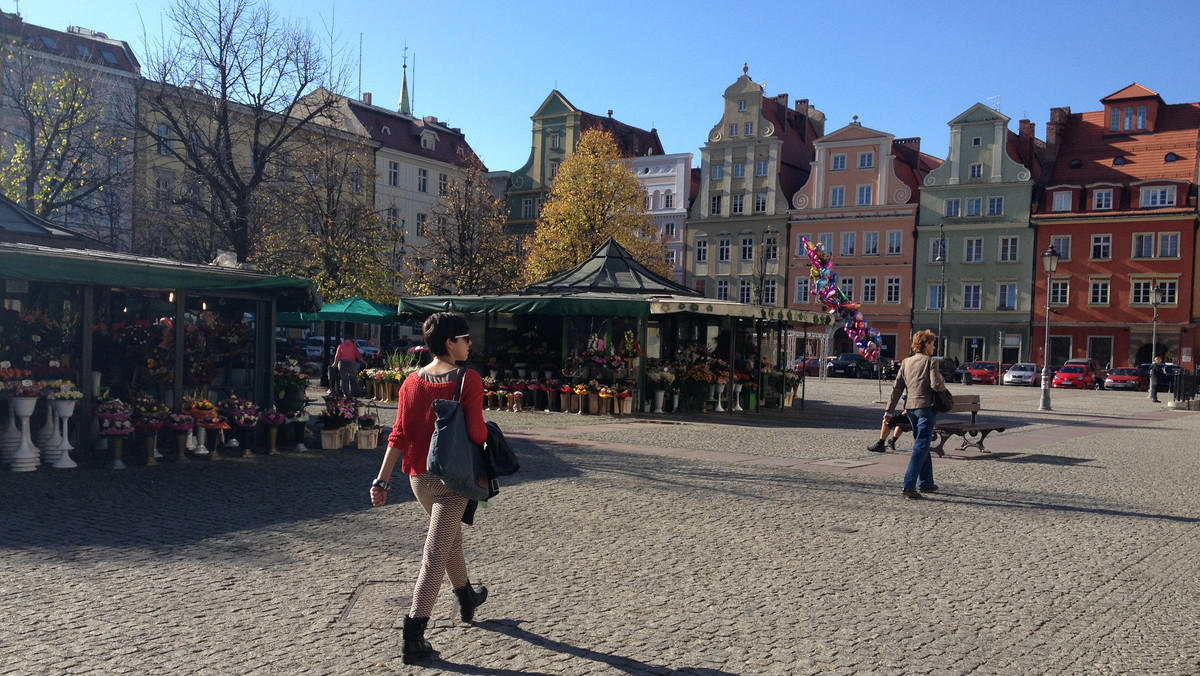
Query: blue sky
[[902, 68]]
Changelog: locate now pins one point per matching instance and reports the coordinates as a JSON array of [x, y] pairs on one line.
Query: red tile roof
[[404, 133], [1086, 141], [631, 141], [79, 45], [798, 133], [1133, 91], [913, 165]]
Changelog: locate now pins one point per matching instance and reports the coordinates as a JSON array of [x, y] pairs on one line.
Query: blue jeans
[[920, 465]]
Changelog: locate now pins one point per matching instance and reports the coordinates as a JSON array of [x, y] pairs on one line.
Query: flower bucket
[[331, 439], [623, 405], [552, 400], [594, 404], [368, 438]]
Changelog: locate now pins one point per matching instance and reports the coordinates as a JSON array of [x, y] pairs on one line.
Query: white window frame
[[745, 292], [739, 170], [846, 286], [1062, 200], [771, 248], [800, 291], [975, 206], [870, 290], [1158, 196], [423, 180], [837, 162], [1142, 245], [1062, 244], [1170, 289], [724, 249], [554, 139], [995, 206], [837, 196], [718, 172], [953, 208], [937, 297], [973, 250], [1006, 292], [760, 168], [1140, 292], [527, 207], [867, 192], [769, 292], [722, 289], [976, 170], [735, 204], [1103, 243], [714, 205], [1100, 292], [1168, 245], [892, 287], [749, 129], [1102, 199], [866, 159], [393, 175], [1010, 249], [895, 243], [870, 243], [733, 129], [972, 295], [760, 202], [701, 249], [747, 249], [1060, 292], [849, 243]]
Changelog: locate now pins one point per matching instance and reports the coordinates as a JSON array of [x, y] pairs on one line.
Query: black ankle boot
[[415, 646], [892, 443], [469, 598], [877, 447]]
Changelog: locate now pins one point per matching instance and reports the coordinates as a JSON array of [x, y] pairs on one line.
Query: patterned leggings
[[443, 545]]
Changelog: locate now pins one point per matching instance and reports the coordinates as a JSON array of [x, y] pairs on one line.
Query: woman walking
[[447, 336], [919, 378]]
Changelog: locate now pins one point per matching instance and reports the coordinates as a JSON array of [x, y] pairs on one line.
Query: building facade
[[557, 126], [975, 248], [1120, 207], [860, 204], [755, 158], [666, 179], [101, 196]]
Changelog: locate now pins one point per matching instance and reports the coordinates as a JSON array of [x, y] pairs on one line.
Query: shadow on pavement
[[512, 628]]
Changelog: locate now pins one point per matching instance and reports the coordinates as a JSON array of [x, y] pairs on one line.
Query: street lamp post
[[1156, 297], [941, 258], [1049, 264]]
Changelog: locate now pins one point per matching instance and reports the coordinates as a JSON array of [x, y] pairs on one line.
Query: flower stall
[[138, 330]]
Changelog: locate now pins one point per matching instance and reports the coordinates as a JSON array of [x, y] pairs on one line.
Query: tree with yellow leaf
[[464, 249], [595, 196]]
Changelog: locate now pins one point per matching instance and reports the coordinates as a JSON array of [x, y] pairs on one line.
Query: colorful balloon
[[824, 286]]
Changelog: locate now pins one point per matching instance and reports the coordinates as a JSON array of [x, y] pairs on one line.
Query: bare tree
[[63, 153], [225, 96], [466, 249]]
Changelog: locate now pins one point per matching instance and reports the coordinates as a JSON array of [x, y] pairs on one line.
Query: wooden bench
[[964, 403]]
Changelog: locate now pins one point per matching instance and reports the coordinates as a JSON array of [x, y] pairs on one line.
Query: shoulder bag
[[453, 457], [943, 401]]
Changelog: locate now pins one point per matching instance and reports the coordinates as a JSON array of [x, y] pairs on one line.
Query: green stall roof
[[106, 268]]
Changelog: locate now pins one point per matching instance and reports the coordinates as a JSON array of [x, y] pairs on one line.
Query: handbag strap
[[458, 378]]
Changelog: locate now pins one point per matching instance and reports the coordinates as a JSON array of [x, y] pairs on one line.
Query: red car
[[984, 372], [1127, 378], [1074, 375]]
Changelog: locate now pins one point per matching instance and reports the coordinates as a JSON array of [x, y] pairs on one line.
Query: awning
[[354, 309], [106, 268], [597, 304]]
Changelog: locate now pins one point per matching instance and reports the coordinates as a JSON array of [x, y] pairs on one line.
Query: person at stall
[[447, 336], [348, 359]]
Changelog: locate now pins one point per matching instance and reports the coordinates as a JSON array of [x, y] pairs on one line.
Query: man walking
[[1157, 372]]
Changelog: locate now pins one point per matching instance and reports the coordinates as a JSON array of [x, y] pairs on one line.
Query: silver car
[[1023, 373]]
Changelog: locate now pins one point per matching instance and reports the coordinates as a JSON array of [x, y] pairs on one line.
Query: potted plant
[[181, 424], [272, 418], [368, 431]]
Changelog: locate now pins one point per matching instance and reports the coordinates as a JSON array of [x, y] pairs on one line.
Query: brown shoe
[[912, 495]]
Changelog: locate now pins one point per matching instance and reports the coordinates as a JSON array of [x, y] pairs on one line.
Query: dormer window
[[1158, 196], [387, 131], [1171, 157], [1127, 118], [1075, 164], [742, 106], [429, 140], [1119, 161]]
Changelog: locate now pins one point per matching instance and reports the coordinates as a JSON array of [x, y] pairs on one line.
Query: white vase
[[659, 395], [64, 408], [674, 403], [201, 442], [737, 396], [25, 458], [95, 383], [46, 433], [10, 438]]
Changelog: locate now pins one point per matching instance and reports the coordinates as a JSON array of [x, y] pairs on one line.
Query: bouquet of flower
[[198, 407], [28, 389], [242, 412], [661, 380], [179, 422], [230, 338], [581, 389], [614, 362], [489, 384], [296, 416], [148, 413], [289, 376], [66, 391], [201, 371], [272, 416], [7, 373], [156, 366], [368, 421], [566, 389], [607, 392], [630, 349], [699, 373], [137, 338], [114, 416], [337, 415]]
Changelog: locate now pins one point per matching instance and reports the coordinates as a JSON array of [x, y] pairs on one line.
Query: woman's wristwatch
[[381, 485]]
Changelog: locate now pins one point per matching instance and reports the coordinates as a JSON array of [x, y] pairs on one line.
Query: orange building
[[1119, 205], [860, 203]]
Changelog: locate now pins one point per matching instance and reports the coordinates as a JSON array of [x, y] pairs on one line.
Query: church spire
[[405, 106]]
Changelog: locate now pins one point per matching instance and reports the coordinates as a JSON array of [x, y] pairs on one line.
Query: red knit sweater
[[415, 418]]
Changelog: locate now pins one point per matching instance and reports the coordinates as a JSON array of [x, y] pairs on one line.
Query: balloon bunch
[[825, 287]]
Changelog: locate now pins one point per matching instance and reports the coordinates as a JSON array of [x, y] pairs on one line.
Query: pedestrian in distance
[[893, 423], [447, 336], [1157, 373], [348, 358], [919, 377]]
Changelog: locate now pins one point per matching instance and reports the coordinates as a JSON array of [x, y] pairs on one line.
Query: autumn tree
[[595, 195], [63, 151], [465, 249], [225, 96], [317, 220]]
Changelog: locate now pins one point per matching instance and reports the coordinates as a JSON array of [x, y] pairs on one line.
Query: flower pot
[[181, 441], [593, 403], [675, 403], [552, 400], [737, 397], [659, 396], [331, 440], [272, 439], [623, 405], [117, 444], [368, 438]]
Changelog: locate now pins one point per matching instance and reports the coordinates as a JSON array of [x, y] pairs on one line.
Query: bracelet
[[381, 485]]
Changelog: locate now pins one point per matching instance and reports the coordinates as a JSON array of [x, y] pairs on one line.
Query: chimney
[[610, 113], [782, 99], [1025, 136], [367, 98], [1055, 129]]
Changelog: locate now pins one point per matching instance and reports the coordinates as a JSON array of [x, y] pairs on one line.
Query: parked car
[[984, 372], [1074, 375], [851, 365], [809, 366], [1127, 378], [366, 348], [1168, 383], [889, 367], [947, 367], [1022, 373], [312, 347], [1093, 366]]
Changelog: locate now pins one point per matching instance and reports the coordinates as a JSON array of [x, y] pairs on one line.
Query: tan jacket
[[919, 376]]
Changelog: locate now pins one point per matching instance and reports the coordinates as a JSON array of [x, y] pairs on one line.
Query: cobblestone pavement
[[765, 543]]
